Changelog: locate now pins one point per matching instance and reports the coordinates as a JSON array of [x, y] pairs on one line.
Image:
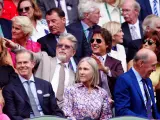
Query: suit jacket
[[71, 6], [145, 9], [49, 42], [128, 97], [116, 69], [47, 67], [127, 41], [17, 105], [6, 26]]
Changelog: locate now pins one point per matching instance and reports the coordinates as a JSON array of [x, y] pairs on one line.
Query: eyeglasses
[[150, 42], [97, 40], [65, 46], [25, 9]]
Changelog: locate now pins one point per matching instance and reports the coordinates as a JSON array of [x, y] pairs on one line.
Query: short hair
[[149, 21], [69, 37], [37, 12], [136, 6], [59, 11], [91, 61], [144, 57], [106, 36], [86, 7], [22, 51], [25, 23], [113, 27]]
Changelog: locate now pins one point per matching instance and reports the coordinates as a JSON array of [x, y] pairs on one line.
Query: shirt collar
[[139, 78], [66, 64], [111, 8], [136, 24], [84, 25], [79, 85], [24, 80]]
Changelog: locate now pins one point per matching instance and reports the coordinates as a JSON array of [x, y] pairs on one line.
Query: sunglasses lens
[[92, 40], [25, 8], [98, 40], [150, 42]]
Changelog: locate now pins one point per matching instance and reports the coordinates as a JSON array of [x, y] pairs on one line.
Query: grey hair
[[144, 57], [86, 7], [92, 62], [25, 23], [69, 37], [136, 6]]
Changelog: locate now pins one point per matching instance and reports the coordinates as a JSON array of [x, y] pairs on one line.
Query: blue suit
[[128, 97]]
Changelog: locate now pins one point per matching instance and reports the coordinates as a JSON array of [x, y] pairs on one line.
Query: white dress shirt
[[158, 6], [34, 91]]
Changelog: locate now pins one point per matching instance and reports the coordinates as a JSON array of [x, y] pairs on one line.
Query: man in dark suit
[[56, 22], [132, 28], [68, 6], [133, 91], [27, 96], [89, 19], [109, 67]]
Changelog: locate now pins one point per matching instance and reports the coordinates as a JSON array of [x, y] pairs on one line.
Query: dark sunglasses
[[25, 9], [150, 42], [97, 40], [65, 46]]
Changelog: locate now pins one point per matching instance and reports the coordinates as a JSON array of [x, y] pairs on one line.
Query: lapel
[[108, 61], [18, 86], [140, 27], [71, 77], [39, 87], [69, 7], [52, 68], [148, 6], [52, 42], [135, 83], [127, 32]]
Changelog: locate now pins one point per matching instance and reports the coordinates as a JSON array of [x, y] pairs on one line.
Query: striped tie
[[155, 7]]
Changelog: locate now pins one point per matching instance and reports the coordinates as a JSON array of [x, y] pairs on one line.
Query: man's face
[[64, 50], [56, 24], [94, 16], [24, 65], [129, 13], [148, 66]]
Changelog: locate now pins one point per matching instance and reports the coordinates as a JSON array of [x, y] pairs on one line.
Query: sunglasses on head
[[150, 42], [65, 46], [97, 40], [25, 9]]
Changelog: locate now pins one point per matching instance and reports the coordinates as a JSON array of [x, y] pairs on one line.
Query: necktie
[[134, 33], [60, 89], [155, 7], [90, 29], [59, 4], [148, 103], [32, 101]]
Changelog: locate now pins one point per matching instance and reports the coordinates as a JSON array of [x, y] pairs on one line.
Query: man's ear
[[64, 20], [140, 63]]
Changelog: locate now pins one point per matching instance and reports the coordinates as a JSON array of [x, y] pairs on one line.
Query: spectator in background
[[68, 6], [21, 30], [117, 51], [5, 25], [30, 9], [89, 15], [10, 9], [110, 11], [86, 99]]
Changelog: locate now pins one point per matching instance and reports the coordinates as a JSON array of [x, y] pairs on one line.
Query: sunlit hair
[[113, 27], [3, 51], [25, 23], [95, 78], [37, 12]]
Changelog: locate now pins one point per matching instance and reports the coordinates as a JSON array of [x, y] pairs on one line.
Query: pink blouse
[[4, 117], [79, 103], [32, 46]]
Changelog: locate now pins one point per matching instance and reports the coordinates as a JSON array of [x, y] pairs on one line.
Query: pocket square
[[46, 95]]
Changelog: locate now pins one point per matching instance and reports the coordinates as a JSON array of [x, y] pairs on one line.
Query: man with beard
[[133, 91]]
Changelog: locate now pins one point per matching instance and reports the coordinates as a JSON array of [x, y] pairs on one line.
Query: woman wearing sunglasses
[[117, 51], [30, 9]]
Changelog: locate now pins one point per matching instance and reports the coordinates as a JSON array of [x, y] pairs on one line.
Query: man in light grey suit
[[68, 6]]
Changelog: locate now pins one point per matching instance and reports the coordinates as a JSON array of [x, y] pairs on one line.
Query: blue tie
[[155, 7], [148, 103]]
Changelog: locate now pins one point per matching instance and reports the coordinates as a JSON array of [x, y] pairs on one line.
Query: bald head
[[145, 62]]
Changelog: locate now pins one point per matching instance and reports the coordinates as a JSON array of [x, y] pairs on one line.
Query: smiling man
[[133, 90]]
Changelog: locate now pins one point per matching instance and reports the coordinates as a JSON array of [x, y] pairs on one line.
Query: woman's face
[[149, 44], [118, 37], [26, 9], [85, 72], [17, 32]]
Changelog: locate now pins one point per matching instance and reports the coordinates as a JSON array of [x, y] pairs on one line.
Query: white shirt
[[34, 91], [158, 6], [55, 79], [137, 29], [64, 8]]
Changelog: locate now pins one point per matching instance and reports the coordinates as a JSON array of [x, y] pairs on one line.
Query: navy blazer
[[17, 105], [128, 97], [6, 28], [49, 42], [145, 9]]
